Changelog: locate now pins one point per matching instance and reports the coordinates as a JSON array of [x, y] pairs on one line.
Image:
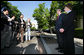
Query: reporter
[[5, 28], [21, 27], [28, 33]]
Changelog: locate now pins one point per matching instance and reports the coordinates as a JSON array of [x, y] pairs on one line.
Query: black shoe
[[61, 50]]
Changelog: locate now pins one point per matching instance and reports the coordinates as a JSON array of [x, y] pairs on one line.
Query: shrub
[[79, 32], [33, 28]]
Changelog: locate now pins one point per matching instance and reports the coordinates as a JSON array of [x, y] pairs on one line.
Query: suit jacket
[[58, 23], [4, 20], [24, 25], [14, 25], [68, 21], [68, 34]]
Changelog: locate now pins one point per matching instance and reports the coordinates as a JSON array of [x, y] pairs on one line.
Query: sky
[[27, 7]]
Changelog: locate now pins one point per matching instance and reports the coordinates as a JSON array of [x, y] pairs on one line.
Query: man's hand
[[13, 17], [61, 30], [9, 19]]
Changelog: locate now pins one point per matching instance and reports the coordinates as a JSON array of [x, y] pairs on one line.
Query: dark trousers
[[6, 35], [60, 40], [68, 38]]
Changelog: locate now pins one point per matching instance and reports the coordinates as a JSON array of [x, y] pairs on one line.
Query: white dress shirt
[[68, 11]]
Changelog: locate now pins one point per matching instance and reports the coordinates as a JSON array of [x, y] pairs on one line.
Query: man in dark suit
[[5, 28], [68, 30], [21, 27], [58, 26]]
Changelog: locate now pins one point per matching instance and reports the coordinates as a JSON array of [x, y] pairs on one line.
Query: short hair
[[69, 5], [58, 9], [21, 14], [5, 9]]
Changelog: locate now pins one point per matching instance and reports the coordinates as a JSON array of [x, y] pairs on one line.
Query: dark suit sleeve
[[4, 17], [19, 21], [68, 21], [60, 20], [58, 23], [13, 21]]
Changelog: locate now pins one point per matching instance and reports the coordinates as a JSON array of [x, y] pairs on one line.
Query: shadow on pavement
[[31, 47]]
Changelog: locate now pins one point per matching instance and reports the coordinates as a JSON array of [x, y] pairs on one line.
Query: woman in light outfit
[[28, 30]]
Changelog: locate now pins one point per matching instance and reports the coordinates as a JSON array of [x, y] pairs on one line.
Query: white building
[[34, 24]]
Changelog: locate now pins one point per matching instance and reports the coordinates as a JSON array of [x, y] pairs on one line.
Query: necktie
[[57, 17]]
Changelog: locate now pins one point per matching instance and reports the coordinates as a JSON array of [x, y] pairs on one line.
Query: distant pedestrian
[[21, 27], [6, 31], [28, 37]]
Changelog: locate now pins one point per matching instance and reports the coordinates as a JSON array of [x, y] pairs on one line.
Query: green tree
[[41, 15], [33, 28], [54, 6]]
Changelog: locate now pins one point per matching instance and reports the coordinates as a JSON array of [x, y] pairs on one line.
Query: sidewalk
[[45, 44], [76, 40], [50, 41], [34, 46]]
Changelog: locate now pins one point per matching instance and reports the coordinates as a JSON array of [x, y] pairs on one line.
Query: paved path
[[43, 44], [34, 46], [50, 41]]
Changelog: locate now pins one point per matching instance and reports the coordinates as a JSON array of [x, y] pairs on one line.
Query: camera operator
[[6, 28]]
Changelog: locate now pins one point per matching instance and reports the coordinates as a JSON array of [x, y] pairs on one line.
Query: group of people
[[23, 27], [10, 25], [65, 30]]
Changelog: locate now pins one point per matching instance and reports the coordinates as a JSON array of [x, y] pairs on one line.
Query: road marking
[[24, 51], [46, 47]]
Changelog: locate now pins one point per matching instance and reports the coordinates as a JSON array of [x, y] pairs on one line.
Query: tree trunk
[[51, 30]]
